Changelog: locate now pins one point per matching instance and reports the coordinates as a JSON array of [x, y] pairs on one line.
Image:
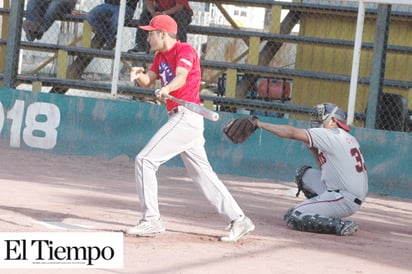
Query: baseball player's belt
[[356, 200], [173, 111]]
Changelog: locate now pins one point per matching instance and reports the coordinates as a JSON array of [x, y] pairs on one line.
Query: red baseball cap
[[161, 22]]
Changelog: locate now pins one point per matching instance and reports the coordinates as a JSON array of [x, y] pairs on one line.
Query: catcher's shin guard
[[289, 219], [313, 222], [301, 185]]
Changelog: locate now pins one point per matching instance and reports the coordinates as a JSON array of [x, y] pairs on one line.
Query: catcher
[[334, 191]]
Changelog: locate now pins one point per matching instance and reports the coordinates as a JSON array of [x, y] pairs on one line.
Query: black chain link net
[[260, 58]]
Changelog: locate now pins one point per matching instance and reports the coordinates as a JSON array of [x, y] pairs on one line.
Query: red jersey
[[163, 5], [165, 64]]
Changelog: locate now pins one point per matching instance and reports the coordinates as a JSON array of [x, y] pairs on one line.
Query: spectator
[[104, 17], [41, 14], [179, 10]]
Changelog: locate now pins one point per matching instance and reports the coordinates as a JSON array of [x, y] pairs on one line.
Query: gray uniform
[[342, 181]]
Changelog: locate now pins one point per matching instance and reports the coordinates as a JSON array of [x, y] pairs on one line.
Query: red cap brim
[[343, 125], [148, 28]]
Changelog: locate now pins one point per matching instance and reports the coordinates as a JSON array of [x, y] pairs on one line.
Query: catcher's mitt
[[240, 129]]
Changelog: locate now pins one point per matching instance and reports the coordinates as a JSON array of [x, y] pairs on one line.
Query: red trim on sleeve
[[309, 137]]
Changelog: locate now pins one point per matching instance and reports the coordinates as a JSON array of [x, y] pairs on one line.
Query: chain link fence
[[266, 58]]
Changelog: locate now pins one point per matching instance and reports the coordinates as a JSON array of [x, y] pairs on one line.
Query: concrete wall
[[106, 128]]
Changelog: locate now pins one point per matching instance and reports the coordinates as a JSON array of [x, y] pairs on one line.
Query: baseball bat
[[207, 113]]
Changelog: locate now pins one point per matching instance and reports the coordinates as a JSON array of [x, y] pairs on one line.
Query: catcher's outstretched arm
[[284, 131]]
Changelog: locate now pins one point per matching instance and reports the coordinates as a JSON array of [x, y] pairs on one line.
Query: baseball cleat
[[238, 228], [144, 228], [348, 228]]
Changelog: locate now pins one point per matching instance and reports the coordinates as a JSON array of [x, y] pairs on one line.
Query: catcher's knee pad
[[299, 182]]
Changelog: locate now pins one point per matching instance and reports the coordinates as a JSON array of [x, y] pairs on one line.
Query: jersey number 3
[[360, 164]]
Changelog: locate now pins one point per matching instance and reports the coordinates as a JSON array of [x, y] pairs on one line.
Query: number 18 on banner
[[38, 124]]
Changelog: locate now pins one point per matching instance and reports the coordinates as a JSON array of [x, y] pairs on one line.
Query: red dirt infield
[[43, 192]]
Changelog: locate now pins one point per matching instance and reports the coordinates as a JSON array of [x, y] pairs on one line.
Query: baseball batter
[[339, 188], [177, 65]]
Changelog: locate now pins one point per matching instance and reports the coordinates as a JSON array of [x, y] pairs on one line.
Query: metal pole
[[117, 52], [378, 63], [13, 43], [355, 63]]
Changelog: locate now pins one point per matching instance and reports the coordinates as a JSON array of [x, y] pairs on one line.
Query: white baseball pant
[[181, 134]]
